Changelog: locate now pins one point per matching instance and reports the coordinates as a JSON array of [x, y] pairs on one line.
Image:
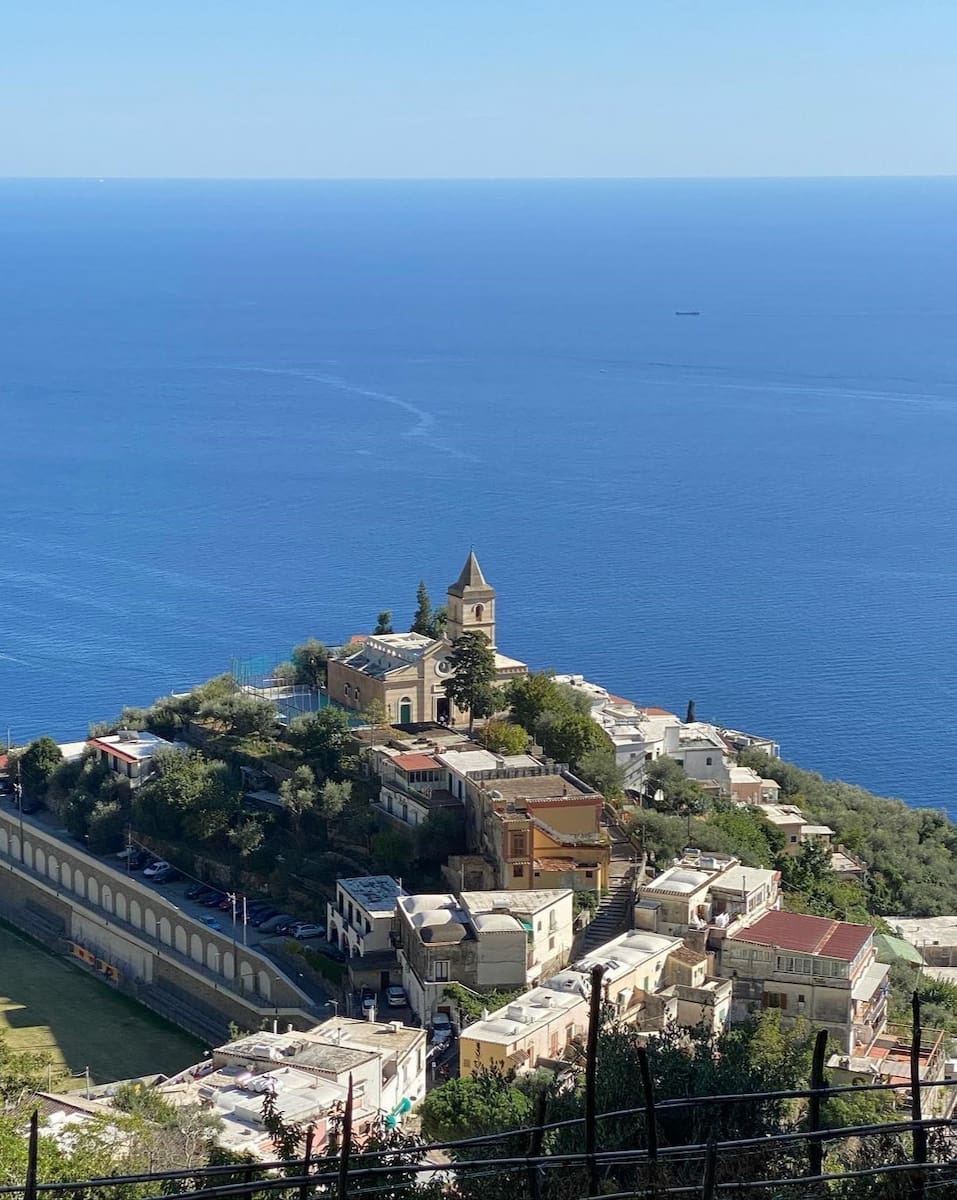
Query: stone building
[[406, 672]]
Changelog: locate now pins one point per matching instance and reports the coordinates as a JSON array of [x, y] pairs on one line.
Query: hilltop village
[[398, 862]]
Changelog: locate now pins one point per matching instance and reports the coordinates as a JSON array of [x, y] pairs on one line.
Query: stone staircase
[[614, 915]]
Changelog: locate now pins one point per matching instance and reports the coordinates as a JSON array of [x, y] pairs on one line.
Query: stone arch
[[136, 914], [149, 923], [405, 710], [53, 868], [106, 897], [246, 977], [39, 861], [119, 906], [79, 882], [213, 957], [165, 931], [4, 841], [92, 891], [180, 939], [196, 948], [265, 985], [229, 965], [27, 853], [479, 611], [66, 876]]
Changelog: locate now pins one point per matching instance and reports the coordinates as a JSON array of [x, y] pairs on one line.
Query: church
[[406, 672]]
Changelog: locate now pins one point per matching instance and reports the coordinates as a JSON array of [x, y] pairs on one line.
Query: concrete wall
[[151, 943]]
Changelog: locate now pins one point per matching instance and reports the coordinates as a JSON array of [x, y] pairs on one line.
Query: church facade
[[406, 672]]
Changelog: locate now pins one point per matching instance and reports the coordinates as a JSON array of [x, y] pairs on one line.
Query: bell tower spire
[[471, 603]]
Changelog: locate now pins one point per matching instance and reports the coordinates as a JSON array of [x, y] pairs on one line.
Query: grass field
[[46, 1003]]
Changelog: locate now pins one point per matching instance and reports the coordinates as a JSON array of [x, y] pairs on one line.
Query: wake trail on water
[[424, 429]]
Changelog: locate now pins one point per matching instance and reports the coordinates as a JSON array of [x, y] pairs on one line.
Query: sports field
[[47, 1003]]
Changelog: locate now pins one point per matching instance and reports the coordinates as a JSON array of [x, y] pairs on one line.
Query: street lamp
[[18, 792]]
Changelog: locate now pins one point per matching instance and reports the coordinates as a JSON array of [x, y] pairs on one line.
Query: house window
[[518, 871], [707, 761], [589, 874], [775, 1000], [551, 942], [519, 844], [442, 970], [345, 689]]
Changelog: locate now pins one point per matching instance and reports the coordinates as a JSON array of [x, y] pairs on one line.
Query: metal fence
[[914, 1157]]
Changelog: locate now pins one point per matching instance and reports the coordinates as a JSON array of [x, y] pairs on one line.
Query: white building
[[701, 891], [308, 1074], [129, 753], [360, 919]]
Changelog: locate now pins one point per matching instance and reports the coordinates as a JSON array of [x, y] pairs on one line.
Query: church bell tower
[[471, 603]]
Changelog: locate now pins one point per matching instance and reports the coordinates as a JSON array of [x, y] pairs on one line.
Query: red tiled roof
[[807, 935], [415, 762], [656, 712], [3, 761], [111, 749]]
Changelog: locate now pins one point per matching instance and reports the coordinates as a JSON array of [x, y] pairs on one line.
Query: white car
[[156, 868], [305, 929], [395, 996]]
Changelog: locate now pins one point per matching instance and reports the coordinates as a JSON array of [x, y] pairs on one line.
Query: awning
[[870, 981], [895, 949]]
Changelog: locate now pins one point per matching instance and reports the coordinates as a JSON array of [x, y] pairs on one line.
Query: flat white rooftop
[[376, 893]]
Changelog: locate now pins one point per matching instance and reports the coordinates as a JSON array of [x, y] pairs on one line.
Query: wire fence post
[[815, 1145], [710, 1177], [342, 1190], [30, 1183], [651, 1122], [591, 1064], [916, 1111], [307, 1163], [535, 1141]]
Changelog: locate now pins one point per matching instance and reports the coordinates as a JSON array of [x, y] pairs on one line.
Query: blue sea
[[237, 414]]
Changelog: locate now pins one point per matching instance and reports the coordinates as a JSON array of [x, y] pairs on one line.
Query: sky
[[477, 88]]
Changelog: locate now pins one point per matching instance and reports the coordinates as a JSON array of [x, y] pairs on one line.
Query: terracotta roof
[[3, 761], [807, 935], [415, 762], [110, 748], [656, 712], [686, 955]]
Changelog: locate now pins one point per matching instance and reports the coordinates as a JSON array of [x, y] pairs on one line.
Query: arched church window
[[479, 611]]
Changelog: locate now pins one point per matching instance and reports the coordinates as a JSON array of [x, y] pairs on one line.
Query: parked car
[[166, 875], [213, 899], [441, 1029], [306, 929], [157, 867], [139, 860], [196, 890], [264, 914], [395, 996], [127, 852], [368, 1000], [211, 923], [273, 923]]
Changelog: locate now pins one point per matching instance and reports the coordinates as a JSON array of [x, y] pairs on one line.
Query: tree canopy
[[470, 685], [310, 659], [35, 766]]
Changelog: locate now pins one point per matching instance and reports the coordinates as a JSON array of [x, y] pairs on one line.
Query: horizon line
[[462, 178]]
